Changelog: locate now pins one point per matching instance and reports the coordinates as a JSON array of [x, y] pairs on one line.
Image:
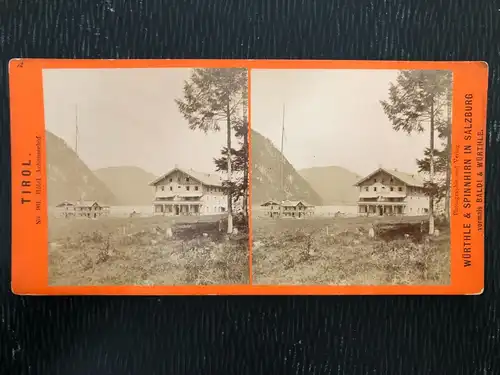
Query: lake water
[[122, 211], [125, 211], [347, 210]]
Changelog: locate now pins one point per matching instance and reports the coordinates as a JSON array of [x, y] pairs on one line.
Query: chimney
[[176, 166], [380, 166], [396, 169]]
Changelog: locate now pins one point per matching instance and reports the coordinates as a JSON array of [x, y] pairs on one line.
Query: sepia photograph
[[350, 178], [147, 176]]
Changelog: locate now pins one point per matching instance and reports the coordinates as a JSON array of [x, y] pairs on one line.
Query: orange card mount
[[241, 177]]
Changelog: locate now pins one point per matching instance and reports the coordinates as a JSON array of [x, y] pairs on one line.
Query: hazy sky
[[332, 117], [127, 117]]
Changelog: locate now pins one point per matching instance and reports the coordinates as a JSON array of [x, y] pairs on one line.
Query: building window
[[187, 179], [171, 188], [374, 180], [400, 188], [392, 189], [196, 188], [374, 189], [187, 188], [170, 180], [163, 188], [366, 188]]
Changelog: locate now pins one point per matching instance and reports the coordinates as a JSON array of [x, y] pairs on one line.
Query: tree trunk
[[431, 172], [245, 147], [229, 173], [448, 150]]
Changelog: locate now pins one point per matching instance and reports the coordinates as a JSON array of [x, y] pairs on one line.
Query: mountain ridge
[[69, 178], [266, 175], [130, 184], [333, 183]]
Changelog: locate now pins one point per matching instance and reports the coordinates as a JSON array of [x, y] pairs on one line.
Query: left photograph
[[147, 176]]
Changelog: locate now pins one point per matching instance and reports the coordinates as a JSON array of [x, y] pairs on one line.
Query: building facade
[[187, 192], [390, 192], [81, 209], [288, 209]]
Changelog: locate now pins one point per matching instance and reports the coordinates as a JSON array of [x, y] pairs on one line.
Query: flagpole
[[76, 129], [282, 156]]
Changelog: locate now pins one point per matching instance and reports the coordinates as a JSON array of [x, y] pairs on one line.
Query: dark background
[[252, 335]]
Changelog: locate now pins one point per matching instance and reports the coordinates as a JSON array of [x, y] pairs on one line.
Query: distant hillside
[[266, 184], [129, 184], [333, 184], [68, 178]]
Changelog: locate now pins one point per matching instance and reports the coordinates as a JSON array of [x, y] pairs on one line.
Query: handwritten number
[[20, 64]]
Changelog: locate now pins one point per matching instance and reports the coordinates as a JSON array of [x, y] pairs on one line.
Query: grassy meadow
[[340, 251], [146, 251]]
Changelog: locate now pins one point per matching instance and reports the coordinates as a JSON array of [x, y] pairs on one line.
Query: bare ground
[[140, 251], [339, 251]]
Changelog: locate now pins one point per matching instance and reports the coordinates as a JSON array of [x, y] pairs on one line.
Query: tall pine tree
[[442, 163], [416, 103], [213, 98], [239, 161]]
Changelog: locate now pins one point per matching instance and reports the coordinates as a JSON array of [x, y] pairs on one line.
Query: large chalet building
[[391, 192], [187, 192]]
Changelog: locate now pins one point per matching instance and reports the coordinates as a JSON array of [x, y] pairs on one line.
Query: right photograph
[[350, 177]]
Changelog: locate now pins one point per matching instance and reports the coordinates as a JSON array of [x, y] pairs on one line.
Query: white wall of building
[[416, 206], [382, 184], [177, 183], [213, 199]]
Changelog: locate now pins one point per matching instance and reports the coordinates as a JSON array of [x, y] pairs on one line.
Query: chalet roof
[[209, 179], [271, 202], [86, 203], [65, 203], [407, 178], [286, 203], [80, 203], [295, 203]]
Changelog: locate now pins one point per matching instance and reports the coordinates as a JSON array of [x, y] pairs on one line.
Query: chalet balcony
[[383, 194], [171, 196], [381, 203], [180, 201]]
